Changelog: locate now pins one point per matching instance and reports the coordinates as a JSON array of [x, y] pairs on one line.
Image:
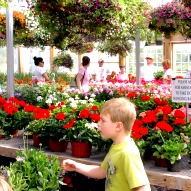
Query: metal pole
[[187, 112], [10, 51], [137, 54]]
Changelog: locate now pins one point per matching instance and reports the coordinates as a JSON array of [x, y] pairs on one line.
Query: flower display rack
[[157, 176]]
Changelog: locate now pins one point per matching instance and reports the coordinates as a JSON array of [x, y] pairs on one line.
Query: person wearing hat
[[146, 72], [100, 74]]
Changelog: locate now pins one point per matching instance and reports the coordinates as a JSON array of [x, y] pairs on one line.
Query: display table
[[157, 176]]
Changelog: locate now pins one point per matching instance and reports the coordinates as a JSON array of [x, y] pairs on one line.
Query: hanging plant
[[114, 46], [91, 21], [64, 60], [187, 3], [171, 18], [82, 48]]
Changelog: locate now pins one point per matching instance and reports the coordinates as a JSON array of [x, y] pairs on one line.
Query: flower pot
[[148, 154], [176, 167], [1, 136], [81, 149], [57, 146], [160, 162], [14, 132], [36, 140], [39, 140]]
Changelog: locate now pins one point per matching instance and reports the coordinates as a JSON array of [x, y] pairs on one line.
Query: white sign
[[181, 90], [188, 74]]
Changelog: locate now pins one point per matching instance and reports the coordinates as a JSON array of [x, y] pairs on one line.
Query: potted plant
[[173, 149], [115, 45], [63, 59], [84, 134], [54, 129], [1, 133], [37, 129], [81, 130], [33, 170], [169, 18], [158, 75], [81, 47]]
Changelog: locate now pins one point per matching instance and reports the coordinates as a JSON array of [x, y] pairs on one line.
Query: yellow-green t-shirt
[[124, 167]]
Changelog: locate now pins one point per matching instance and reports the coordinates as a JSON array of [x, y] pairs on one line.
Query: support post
[[137, 57], [122, 60], [10, 51], [187, 112]]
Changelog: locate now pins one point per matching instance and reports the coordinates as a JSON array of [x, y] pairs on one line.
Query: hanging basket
[[158, 42], [81, 149]]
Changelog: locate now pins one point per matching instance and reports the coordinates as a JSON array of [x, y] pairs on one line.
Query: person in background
[[122, 76], [82, 78], [100, 73], [4, 186], [146, 72], [168, 73], [39, 71], [122, 166]]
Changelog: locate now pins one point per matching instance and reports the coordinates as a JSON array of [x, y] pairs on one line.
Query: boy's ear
[[119, 126]]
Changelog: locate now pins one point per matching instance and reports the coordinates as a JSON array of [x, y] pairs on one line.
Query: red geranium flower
[[167, 109], [95, 117], [145, 98], [179, 114], [60, 116], [164, 126], [179, 121], [131, 95], [84, 114]]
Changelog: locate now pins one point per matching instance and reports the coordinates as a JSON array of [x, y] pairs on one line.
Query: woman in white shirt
[[39, 71], [168, 73]]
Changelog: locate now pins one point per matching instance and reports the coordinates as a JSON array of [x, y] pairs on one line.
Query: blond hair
[[166, 63], [120, 110], [4, 186]]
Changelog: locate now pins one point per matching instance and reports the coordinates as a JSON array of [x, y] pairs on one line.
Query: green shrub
[[34, 171]]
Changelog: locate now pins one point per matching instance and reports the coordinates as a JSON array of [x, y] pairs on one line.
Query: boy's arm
[[143, 188], [92, 171]]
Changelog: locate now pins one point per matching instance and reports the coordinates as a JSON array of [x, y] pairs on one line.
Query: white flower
[[86, 97], [91, 125], [65, 94], [71, 99], [73, 105], [91, 100], [92, 95], [83, 101], [76, 97], [49, 101], [39, 98]]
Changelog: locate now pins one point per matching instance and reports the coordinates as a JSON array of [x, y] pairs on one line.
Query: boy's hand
[[69, 165]]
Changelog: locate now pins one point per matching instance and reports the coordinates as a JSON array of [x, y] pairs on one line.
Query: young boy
[[122, 166]]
